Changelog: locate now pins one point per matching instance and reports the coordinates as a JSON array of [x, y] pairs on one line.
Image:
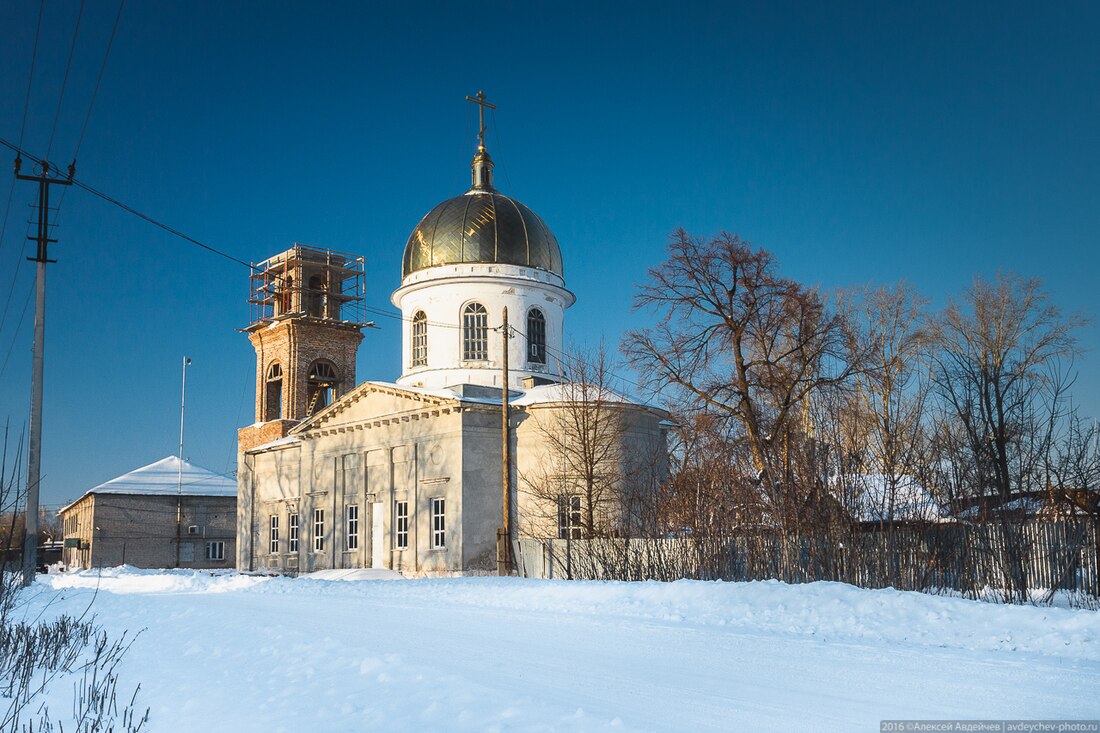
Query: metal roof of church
[[482, 225]]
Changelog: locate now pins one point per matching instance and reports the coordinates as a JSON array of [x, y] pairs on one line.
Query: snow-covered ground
[[228, 652]]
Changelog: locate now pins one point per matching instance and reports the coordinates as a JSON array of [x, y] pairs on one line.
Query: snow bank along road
[[228, 652]]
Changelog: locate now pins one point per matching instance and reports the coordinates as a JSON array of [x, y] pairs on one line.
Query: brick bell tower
[[306, 326]]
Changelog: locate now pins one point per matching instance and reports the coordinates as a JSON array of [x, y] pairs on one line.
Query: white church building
[[410, 475]]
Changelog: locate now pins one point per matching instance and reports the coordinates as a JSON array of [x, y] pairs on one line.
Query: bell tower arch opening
[[321, 385], [306, 325], [273, 392]]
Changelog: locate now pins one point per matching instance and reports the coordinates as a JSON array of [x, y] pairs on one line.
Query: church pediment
[[376, 402]]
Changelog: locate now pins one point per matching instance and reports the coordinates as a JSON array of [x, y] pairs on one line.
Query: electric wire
[[65, 79], [370, 309], [7, 210], [30, 76], [15, 334], [91, 105], [11, 192], [15, 276], [99, 79], [125, 207]]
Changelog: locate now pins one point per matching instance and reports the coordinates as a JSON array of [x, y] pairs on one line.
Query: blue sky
[[860, 142]]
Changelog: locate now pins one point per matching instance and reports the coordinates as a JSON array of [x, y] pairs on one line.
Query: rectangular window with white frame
[[569, 517], [439, 525], [318, 530], [353, 526], [292, 532], [274, 534], [215, 550], [400, 525]]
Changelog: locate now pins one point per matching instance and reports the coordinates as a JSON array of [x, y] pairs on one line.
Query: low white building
[[168, 514]]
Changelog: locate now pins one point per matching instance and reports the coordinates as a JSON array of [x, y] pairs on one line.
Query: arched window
[[475, 332], [321, 386], [273, 395], [315, 301], [420, 339], [536, 336]]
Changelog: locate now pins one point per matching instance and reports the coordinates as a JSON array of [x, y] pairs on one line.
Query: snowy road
[[233, 653]]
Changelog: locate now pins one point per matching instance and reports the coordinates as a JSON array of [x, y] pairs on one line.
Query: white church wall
[[267, 483], [372, 467], [482, 488], [638, 464]]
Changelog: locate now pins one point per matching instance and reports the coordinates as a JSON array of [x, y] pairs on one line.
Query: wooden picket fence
[[1011, 559]]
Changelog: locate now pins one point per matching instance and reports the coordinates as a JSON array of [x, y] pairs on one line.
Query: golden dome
[[482, 225]]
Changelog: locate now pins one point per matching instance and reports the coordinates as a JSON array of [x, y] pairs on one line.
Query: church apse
[[306, 324]]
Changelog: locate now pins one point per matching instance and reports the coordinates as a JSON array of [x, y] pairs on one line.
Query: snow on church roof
[[165, 477]]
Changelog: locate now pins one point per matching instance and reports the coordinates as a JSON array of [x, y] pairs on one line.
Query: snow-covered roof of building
[[1028, 506], [867, 497], [167, 476]]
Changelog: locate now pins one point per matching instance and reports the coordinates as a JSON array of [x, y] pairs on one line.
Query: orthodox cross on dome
[[479, 100]]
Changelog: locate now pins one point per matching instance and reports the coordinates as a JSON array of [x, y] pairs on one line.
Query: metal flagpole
[[179, 475]]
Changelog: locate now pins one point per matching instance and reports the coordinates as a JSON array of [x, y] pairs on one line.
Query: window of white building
[[318, 530], [420, 339], [292, 532], [215, 550], [569, 517], [475, 332], [353, 527], [401, 524], [536, 336], [439, 528], [274, 537]]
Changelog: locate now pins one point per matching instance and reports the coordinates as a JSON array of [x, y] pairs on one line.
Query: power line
[[370, 309], [95, 92], [65, 79], [95, 192], [14, 277], [18, 327], [30, 76], [91, 103], [11, 192]]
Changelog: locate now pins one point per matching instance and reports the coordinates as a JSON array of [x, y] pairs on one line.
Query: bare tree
[[999, 369], [38, 656], [1074, 469], [997, 360], [579, 482], [887, 405], [742, 341]]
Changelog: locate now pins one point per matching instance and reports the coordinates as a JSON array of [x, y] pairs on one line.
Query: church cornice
[[382, 421], [314, 426]]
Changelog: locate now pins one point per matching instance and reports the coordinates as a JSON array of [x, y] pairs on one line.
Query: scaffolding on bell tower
[[308, 283]]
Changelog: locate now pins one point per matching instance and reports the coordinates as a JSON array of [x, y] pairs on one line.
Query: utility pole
[[504, 537], [34, 453], [179, 474]]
